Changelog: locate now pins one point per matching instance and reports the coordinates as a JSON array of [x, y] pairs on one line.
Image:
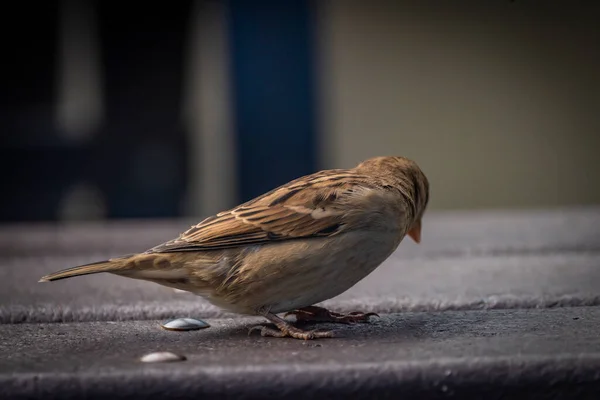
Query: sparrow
[[297, 245]]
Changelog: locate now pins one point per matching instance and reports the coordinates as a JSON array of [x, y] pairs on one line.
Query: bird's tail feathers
[[112, 265]]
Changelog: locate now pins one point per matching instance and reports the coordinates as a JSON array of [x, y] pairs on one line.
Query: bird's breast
[[289, 275]]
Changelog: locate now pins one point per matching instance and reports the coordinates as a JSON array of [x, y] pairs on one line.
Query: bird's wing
[[316, 205]]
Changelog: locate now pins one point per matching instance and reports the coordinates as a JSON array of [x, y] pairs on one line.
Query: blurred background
[[139, 110]]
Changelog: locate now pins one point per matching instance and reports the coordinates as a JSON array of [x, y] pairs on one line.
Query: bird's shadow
[[395, 327]]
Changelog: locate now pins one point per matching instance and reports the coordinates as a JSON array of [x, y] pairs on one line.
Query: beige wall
[[499, 102]]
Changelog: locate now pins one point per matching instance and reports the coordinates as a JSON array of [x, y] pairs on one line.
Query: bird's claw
[[290, 331]]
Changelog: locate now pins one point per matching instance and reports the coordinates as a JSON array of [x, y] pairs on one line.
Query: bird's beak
[[415, 232]]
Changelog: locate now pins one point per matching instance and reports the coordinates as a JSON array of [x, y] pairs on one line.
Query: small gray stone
[[162, 356], [185, 324]]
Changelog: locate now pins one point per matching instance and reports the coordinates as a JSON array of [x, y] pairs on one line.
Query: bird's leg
[[287, 330], [320, 314]]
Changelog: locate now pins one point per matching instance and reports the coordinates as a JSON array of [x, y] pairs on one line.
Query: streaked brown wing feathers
[[305, 207]]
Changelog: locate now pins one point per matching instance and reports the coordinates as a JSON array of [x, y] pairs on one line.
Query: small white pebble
[[162, 356], [185, 324]]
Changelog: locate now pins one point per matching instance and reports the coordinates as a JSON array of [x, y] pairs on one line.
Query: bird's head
[[404, 175]]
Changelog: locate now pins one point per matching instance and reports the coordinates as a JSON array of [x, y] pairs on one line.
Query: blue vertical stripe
[[273, 92]]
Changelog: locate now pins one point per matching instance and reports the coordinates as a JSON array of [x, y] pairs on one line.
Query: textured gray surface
[[495, 378], [466, 260], [456, 354], [510, 284], [405, 337]]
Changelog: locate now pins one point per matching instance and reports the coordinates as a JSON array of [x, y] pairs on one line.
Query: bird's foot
[[292, 332], [285, 329], [320, 314]]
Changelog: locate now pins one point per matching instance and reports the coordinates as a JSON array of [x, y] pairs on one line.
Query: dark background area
[[137, 156], [141, 56]]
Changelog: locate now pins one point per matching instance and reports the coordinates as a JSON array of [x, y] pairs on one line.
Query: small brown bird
[[286, 250]]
